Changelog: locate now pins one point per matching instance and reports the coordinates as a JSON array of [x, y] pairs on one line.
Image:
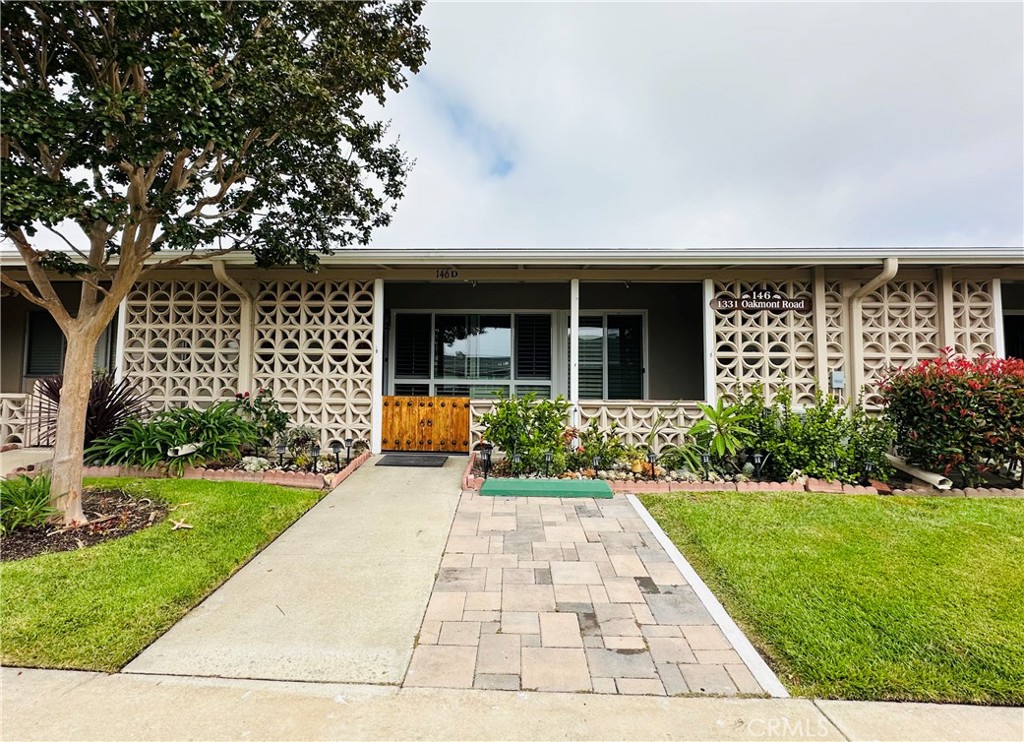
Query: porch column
[[122, 329], [377, 387], [1000, 322], [574, 351], [710, 366]]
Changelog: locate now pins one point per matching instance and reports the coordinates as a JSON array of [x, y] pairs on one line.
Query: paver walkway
[[338, 597], [568, 595]]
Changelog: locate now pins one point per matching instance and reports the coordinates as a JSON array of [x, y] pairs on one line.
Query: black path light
[[336, 448], [548, 456], [316, 455], [349, 442], [652, 459], [517, 459], [596, 461], [485, 454], [868, 468], [281, 448], [758, 462], [705, 459]]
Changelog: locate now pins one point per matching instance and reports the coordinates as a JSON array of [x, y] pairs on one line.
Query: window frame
[[644, 353], [433, 382]]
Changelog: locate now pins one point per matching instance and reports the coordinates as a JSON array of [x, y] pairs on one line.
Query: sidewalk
[[338, 597], [60, 705]]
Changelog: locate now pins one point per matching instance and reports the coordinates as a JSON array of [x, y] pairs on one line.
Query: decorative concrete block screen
[[14, 414], [900, 327], [314, 349], [634, 419], [835, 329], [764, 347], [181, 342], [974, 317]]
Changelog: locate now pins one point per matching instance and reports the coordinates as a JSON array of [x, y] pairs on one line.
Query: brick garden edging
[[304, 480], [821, 486]]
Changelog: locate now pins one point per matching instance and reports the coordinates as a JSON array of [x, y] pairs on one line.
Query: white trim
[[122, 331], [574, 351], [767, 679], [377, 389], [1006, 255], [997, 317], [710, 367]]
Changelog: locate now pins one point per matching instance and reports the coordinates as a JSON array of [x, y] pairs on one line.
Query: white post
[[710, 368], [998, 319], [122, 329], [377, 391], [574, 350]]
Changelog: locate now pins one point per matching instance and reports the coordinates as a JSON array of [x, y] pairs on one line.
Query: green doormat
[[597, 488]]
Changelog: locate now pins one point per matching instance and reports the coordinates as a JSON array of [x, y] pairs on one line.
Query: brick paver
[[571, 595]]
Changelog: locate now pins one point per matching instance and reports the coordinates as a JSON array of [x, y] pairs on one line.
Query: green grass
[[866, 597], [96, 608]]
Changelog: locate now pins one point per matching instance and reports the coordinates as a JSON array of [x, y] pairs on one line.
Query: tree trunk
[[69, 445]]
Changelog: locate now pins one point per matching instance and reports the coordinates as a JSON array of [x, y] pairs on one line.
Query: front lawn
[[866, 597], [96, 608]]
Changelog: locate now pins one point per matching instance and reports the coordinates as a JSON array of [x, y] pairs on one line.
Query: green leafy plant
[[607, 446], [530, 428], [266, 415], [299, 439], [959, 416], [723, 432], [25, 503], [827, 440], [218, 431], [111, 404]]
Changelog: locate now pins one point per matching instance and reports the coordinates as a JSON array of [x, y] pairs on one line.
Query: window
[[471, 355], [45, 346], [44, 354], [611, 364]]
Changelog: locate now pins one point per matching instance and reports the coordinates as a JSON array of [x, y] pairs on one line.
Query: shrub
[[111, 404], [299, 439], [266, 415], [827, 440], [607, 446], [529, 427], [219, 431], [25, 503], [958, 416]]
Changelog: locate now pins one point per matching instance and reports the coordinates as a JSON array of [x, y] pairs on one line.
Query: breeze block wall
[[314, 349], [181, 342]]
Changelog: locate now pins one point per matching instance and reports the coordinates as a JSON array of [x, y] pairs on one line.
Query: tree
[[194, 127]]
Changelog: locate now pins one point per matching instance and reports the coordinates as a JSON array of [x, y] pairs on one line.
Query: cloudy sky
[[672, 124]]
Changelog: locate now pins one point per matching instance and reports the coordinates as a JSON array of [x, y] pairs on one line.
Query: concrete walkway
[[61, 705], [19, 457], [338, 597]]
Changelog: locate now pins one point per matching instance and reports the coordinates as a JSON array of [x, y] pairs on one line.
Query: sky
[[714, 124]]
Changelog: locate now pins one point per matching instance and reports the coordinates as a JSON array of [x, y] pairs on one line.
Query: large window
[[44, 355], [612, 356], [471, 355]]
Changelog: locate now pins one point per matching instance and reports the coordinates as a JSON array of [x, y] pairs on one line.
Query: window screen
[[45, 346], [412, 346], [533, 346], [625, 356]]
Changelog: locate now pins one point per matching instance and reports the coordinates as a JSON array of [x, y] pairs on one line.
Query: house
[[406, 348]]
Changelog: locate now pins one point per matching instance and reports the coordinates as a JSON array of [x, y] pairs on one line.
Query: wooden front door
[[426, 424]]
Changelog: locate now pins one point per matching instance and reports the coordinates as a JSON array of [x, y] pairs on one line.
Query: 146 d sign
[[760, 300]]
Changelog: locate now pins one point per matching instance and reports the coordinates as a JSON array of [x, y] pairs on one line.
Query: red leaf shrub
[[958, 415]]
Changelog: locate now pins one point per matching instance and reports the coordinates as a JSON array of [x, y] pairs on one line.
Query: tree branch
[[21, 289]]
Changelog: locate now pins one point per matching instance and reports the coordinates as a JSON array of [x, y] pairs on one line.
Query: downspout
[[889, 268], [246, 325]]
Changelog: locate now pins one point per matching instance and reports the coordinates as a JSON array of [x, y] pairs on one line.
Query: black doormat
[[405, 459]]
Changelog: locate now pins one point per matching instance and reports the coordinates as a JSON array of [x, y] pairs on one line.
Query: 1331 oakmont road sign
[[760, 300]]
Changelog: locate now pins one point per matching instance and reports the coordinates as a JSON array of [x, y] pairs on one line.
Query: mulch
[[111, 513]]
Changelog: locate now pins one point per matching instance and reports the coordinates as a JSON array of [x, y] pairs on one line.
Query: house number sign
[[760, 300]]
